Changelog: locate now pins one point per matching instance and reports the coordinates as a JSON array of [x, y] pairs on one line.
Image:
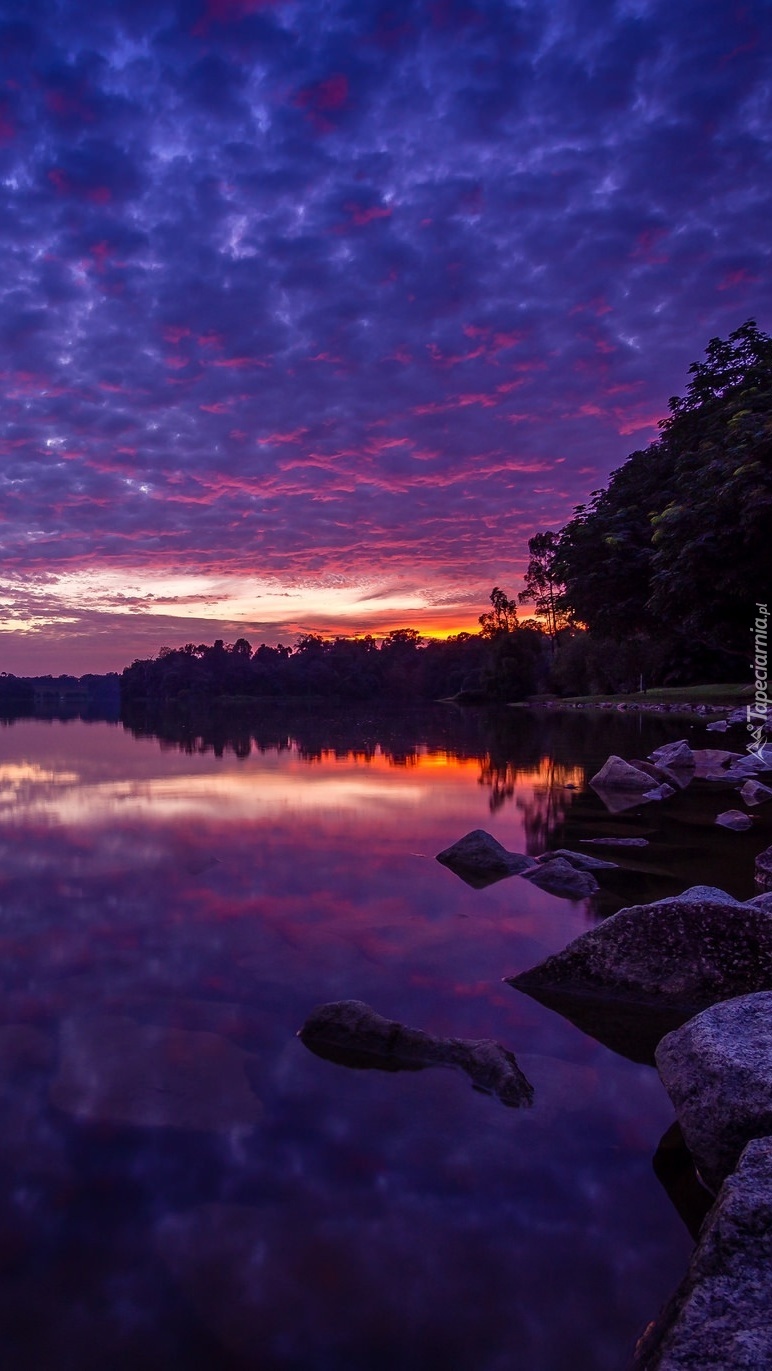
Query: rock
[[708, 761], [718, 726], [762, 901], [675, 756], [617, 801], [580, 860], [718, 1319], [661, 792], [351, 1033], [559, 877], [734, 819], [479, 859], [754, 793], [717, 1070], [617, 774], [763, 869], [118, 1071], [648, 768], [686, 953], [612, 841]]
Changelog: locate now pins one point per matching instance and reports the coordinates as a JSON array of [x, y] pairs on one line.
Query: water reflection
[[181, 1182]]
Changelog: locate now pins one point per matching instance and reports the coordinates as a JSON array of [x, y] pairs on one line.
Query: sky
[[313, 313]]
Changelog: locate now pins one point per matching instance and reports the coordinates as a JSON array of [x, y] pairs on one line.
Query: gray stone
[[675, 756], [706, 894], [615, 842], [719, 726], [118, 1071], [479, 859], [718, 1319], [648, 768], [559, 877], [617, 774], [763, 869], [688, 952], [661, 792], [734, 819], [754, 793], [351, 1033], [709, 761], [717, 1070], [617, 801], [581, 860]]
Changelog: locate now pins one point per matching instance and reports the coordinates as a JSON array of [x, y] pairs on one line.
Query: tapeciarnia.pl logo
[[757, 712]]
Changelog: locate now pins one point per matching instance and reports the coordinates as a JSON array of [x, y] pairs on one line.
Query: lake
[[184, 1183]]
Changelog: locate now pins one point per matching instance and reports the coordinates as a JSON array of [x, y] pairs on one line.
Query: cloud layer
[[352, 295]]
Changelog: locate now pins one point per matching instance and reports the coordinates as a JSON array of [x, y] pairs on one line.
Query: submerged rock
[[559, 877], [479, 859], [351, 1033], [754, 793], [615, 842], [679, 954], [581, 860], [734, 819], [718, 1319], [118, 1071], [717, 1070], [660, 792], [617, 774]]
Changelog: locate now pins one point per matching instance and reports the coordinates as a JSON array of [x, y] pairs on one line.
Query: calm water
[[185, 1184]]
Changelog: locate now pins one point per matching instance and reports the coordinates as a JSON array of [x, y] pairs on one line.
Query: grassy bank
[[718, 695]]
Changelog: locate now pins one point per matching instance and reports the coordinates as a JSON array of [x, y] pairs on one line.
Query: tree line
[[658, 575]]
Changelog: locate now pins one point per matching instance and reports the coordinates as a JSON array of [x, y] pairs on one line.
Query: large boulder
[[479, 859], [559, 877], [718, 1319], [617, 774], [351, 1033], [646, 969], [717, 1070]]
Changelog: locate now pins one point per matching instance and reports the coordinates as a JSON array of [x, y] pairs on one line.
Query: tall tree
[[542, 586], [501, 618]]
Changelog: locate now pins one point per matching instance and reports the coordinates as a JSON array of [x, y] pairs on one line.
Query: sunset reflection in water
[[185, 1182]]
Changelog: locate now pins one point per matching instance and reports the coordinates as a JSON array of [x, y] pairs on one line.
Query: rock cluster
[[479, 859]]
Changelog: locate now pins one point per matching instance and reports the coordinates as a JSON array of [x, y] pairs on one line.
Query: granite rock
[[479, 859], [350, 1033], [581, 860], [717, 1070], [718, 1319], [687, 952], [735, 820], [559, 877], [754, 793], [763, 869], [617, 774]]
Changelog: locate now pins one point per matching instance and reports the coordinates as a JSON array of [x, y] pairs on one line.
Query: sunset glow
[[313, 316]]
